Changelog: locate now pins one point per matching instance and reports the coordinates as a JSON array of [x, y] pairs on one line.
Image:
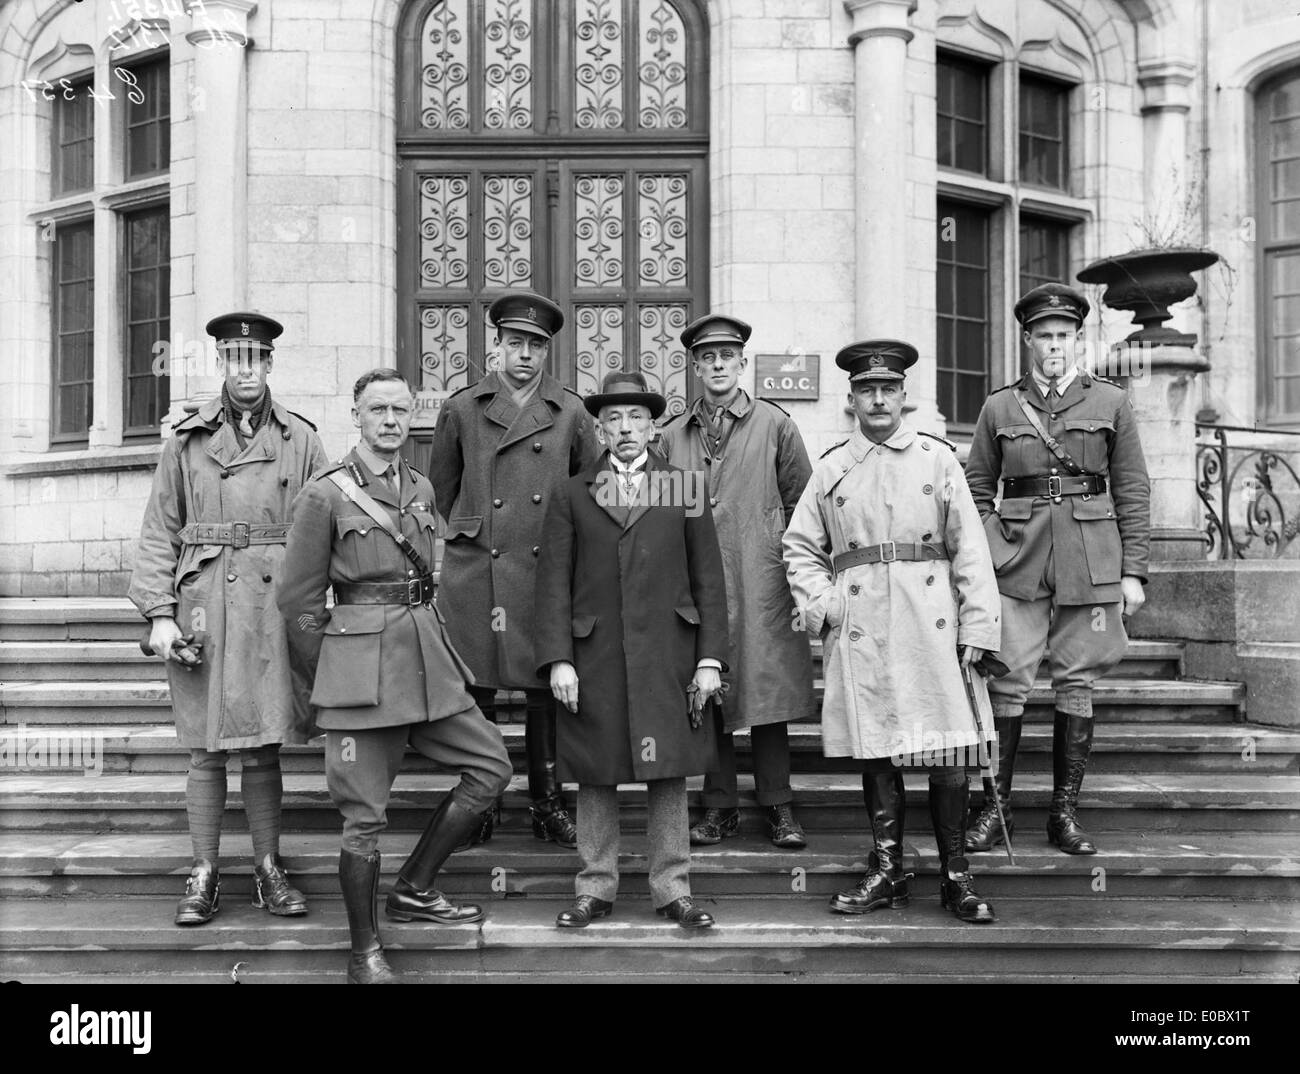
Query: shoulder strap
[[1053, 445], [379, 516]]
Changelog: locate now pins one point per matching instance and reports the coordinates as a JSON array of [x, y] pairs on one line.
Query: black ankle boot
[[885, 883], [552, 821], [413, 896], [985, 831], [359, 879], [949, 806], [1071, 746], [202, 898]]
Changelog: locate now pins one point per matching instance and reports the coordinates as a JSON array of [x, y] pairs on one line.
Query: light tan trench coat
[[893, 681]]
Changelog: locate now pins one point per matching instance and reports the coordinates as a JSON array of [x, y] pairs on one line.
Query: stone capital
[[1166, 85], [216, 20], [880, 18]]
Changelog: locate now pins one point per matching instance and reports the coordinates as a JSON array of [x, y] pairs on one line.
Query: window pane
[[1286, 274], [146, 91], [963, 311], [74, 128], [1284, 138], [1044, 252], [74, 303], [1044, 140], [148, 313], [962, 130]]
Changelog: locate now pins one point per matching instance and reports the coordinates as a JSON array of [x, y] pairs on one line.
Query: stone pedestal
[[1161, 381]]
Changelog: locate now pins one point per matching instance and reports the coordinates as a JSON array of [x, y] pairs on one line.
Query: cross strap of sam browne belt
[[235, 534], [379, 516], [1053, 445], [888, 553]]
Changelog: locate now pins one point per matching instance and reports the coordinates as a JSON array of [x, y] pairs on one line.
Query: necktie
[[1053, 393], [628, 477], [390, 479], [246, 423], [716, 425]]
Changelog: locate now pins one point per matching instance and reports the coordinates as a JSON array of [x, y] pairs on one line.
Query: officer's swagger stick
[[990, 770]]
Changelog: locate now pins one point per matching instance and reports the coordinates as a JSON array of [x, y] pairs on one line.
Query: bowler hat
[[625, 389]]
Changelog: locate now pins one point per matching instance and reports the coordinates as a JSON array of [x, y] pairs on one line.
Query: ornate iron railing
[[1251, 492]]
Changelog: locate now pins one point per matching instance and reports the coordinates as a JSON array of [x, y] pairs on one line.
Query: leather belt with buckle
[[1055, 487], [888, 552], [235, 534], [412, 592]]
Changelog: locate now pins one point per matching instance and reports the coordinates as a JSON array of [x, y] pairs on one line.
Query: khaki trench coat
[[1091, 540], [753, 486], [248, 691], [493, 467], [374, 665], [893, 680]]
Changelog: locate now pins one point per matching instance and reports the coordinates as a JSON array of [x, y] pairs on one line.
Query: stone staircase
[[1196, 811]]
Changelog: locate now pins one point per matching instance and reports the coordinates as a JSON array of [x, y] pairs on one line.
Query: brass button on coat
[[537, 497], [497, 503]]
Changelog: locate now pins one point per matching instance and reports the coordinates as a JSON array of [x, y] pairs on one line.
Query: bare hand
[[708, 682], [1134, 595], [564, 684], [163, 636], [971, 654]]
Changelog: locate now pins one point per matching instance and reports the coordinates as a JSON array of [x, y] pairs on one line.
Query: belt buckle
[[239, 535], [414, 591], [1054, 490], [888, 551]]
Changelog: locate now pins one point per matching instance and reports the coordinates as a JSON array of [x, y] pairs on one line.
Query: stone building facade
[[372, 172]]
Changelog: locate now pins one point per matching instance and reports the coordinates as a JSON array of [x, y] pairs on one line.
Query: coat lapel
[[652, 465], [532, 419], [602, 486], [1073, 394]]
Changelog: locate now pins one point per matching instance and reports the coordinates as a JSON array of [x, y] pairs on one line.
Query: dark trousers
[[771, 752], [360, 766], [668, 842], [539, 736]]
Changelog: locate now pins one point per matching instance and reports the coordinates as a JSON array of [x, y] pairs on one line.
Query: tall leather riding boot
[[949, 810], [885, 883], [413, 896], [485, 698], [1071, 746], [359, 879], [551, 818], [985, 830]]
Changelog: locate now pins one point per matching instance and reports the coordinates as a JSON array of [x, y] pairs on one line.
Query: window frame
[[124, 217], [160, 57], [1065, 90], [1268, 398], [955, 60], [79, 82], [59, 438]]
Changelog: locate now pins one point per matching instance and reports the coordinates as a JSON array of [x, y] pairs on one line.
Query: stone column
[[1165, 399], [879, 39], [1166, 102], [220, 175]]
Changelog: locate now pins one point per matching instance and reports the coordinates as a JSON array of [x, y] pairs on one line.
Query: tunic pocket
[[1099, 531], [1088, 442], [347, 675], [1005, 530]]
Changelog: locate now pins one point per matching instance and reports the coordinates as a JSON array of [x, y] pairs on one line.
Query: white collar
[[636, 464], [1044, 385]]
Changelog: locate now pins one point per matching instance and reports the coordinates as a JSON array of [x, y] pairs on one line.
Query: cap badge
[[1054, 301], [875, 359], [532, 313], [243, 328]]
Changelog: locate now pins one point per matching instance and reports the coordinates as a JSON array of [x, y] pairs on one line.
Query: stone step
[[826, 801], [69, 619], [1250, 865], [1119, 747], [52, 660], [1145, 700], [1096, 937]]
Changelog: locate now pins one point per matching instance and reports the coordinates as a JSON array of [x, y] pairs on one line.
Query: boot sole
[[582, 924], [406, 915], [892, 904], [296, 911], [698, 841], [547, 837], [1055, 841]]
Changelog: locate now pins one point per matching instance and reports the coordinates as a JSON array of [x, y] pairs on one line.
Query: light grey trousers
[[667, 838]]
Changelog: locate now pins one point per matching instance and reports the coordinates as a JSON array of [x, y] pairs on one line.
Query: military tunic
[[249, 691], [754, 481], [892, 629], [493, 467]]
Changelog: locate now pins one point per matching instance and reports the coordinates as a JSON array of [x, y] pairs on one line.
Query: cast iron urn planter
[[1147, 283]]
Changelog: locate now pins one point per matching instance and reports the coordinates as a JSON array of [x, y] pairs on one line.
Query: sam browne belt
[[1083, 485], [415, 591]]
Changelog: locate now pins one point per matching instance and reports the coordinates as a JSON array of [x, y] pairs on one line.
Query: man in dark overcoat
[[632, 633], [753, 459], [499, 447], [211, 549], [1070, 543], [386, 673]]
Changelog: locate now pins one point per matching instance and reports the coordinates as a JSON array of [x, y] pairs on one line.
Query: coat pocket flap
[[425, 520], [690, 613], [464, 527], [346, 619], [1012, 431], [1092, 507], [583, 625], [1088, 425], [1016, 509], [361, 524]]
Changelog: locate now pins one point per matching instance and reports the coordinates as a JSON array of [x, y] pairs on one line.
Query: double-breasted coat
[[891, 630], [375, 665], [634, 599], [249, 691], [1080, 546], [754, 482], [493, 467]]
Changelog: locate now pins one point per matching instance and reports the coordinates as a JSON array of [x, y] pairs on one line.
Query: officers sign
[[787, 376]]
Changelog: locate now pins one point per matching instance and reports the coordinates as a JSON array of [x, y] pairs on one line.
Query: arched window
[[1278, 129], [558, 145]]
